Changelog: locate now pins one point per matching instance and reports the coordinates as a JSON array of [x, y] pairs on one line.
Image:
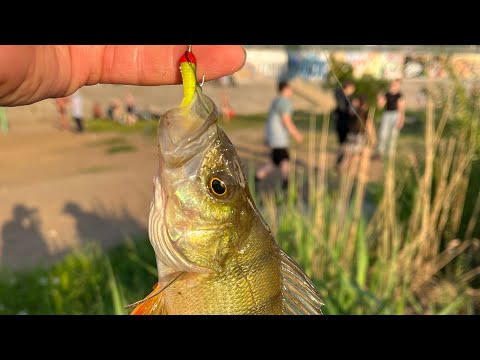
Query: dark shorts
[[342, 133], [342, 126], [278, 155]]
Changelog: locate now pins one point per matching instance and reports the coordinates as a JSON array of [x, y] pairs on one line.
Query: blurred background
[[377, 237]]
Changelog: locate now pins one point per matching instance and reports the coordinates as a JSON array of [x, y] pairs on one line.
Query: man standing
[[278, 128], [393, 118], [77, 110], [343, 113]]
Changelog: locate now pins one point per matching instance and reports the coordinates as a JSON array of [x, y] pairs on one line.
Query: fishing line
[[341, 86], [156, 293]]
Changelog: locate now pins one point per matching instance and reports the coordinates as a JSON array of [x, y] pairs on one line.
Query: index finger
[[156, 64]]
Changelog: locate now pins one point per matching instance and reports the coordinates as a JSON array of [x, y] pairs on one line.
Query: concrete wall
[[312, 63]]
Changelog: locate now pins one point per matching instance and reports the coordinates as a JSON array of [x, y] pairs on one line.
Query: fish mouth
[[183, 132]]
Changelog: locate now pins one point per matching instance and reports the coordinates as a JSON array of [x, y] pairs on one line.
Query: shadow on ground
[[24, 242]]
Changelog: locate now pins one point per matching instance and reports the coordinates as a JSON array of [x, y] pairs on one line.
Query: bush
[[367, 85]]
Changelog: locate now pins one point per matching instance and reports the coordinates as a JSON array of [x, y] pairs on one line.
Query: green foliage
[[88, 281], [367, 85], [121, 148], [146, 127], [338, 71]]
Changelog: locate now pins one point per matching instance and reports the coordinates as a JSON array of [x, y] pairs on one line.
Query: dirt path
[[58, 189]]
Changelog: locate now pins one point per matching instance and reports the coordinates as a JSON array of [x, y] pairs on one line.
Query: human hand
[[400, 123], [299, 137], [30, 73]]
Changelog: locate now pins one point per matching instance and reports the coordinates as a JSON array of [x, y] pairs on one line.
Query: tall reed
[[385, 264]]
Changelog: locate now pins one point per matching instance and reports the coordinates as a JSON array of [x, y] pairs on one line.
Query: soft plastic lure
[[188, 67]]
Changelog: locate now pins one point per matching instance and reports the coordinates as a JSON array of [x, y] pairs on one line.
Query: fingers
[[33, 73], [158, 64]]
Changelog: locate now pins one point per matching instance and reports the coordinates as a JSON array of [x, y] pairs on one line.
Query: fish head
[[202, 208]]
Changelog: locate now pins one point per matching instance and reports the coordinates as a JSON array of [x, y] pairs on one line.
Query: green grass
[[95, 169], [141, 127], [109, 141], [120, 148], [88, 281], [113, 145]]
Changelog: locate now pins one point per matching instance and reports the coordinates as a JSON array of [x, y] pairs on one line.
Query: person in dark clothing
[[361, 130], [393, 118], [359, 123], [342, 115], [131, 117]]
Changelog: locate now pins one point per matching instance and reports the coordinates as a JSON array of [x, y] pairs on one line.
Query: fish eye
[[217, 186]]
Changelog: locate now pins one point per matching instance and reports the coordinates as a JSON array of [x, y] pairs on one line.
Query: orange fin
[[155, 305]]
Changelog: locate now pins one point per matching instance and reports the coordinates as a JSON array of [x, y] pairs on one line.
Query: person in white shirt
[[77, 110]]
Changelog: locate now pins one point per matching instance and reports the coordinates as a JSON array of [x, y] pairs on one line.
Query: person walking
[[278, 128], [393, 118], [77, 110]]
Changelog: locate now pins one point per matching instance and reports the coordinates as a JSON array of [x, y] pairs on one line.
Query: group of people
[[352, 124], [116, 111], [354, 127], [73, 105]]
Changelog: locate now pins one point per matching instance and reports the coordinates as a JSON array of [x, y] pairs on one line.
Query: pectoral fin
[[299, 294]]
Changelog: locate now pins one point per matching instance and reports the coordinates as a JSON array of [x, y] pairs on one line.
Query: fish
[[215, 253]]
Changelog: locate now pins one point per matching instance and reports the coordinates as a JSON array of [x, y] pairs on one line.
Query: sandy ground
[[66, 189], [59, 189]]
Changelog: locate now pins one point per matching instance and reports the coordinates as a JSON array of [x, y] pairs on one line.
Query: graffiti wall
[[263, 63], [466, 66], [310, 65], [313, 65], [376, 64], [392, 66], [365, 63], [424, 66]]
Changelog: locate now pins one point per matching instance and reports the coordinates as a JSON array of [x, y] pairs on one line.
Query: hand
[[400, 123], [33, 73], [299, 138]]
